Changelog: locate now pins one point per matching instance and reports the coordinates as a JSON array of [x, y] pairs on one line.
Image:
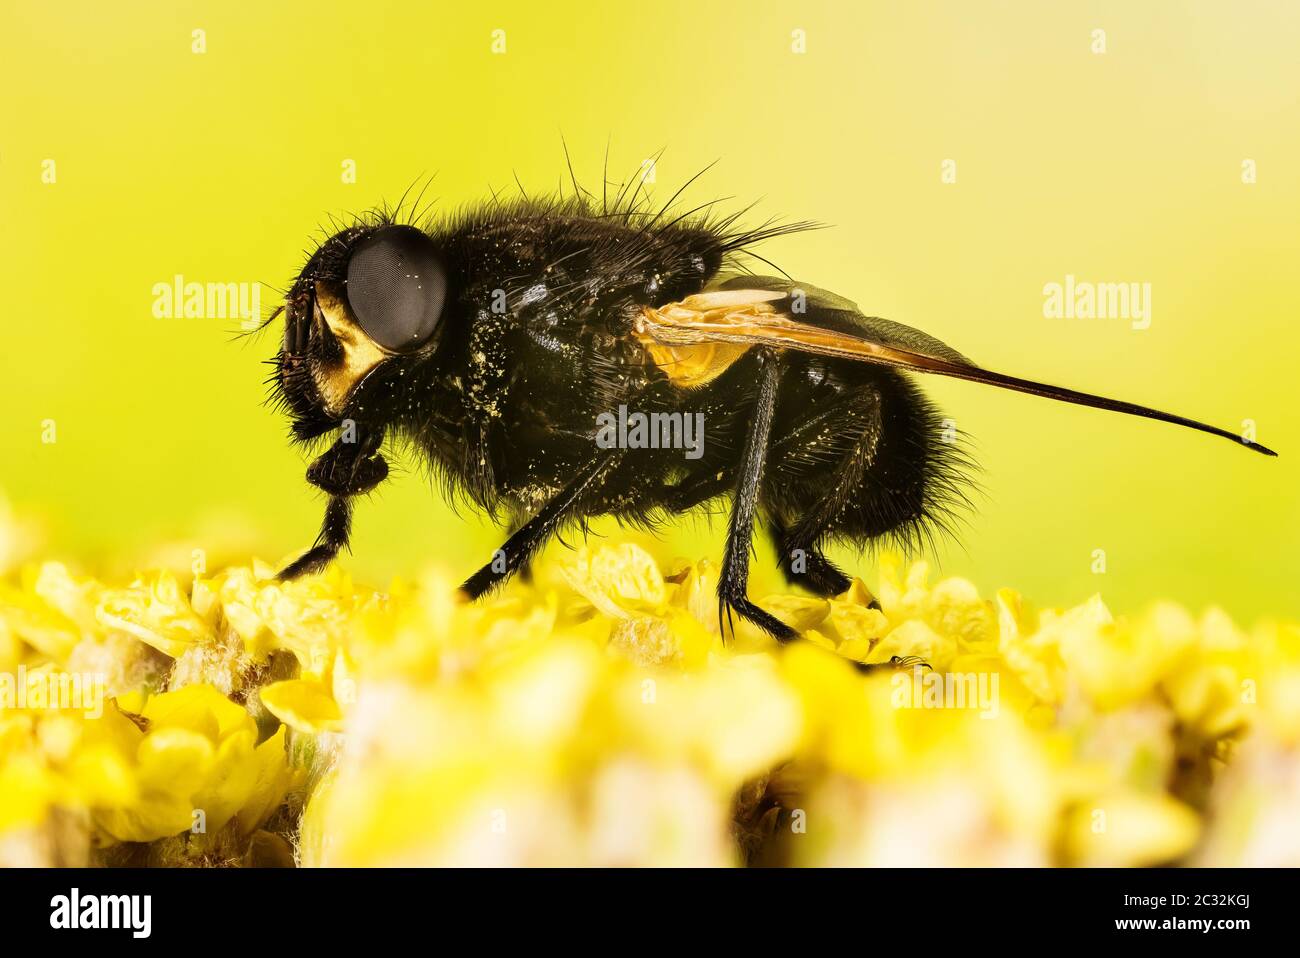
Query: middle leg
[[522, 545], [733, 583]]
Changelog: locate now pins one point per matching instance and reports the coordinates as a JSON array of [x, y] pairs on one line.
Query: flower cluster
[[597, 716]]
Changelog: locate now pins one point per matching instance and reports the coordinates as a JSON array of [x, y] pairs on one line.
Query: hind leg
[[798, 543], [804, 563]]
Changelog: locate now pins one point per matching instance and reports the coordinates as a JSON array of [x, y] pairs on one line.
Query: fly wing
[[824, 308], [778, 314]]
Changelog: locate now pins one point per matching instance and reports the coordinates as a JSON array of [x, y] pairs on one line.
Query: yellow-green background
[[1120, 167]]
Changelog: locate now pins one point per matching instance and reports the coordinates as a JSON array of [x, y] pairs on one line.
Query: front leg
[[733, 584], [525, 543], [345, 470], [349, 468]]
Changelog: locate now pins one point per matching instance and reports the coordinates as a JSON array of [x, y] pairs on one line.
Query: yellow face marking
[[360, 353]]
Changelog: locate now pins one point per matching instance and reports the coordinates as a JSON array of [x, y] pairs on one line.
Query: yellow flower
[[306, 705], [156, 612], [1269, 689], [25, 618], [653, 619], [1118, 663], [1126, 828], [620, 581], [601, 715], [195, 768]]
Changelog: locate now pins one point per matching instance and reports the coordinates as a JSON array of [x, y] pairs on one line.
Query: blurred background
[[965, 155]]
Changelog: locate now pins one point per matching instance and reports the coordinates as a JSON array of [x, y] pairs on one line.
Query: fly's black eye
[[397, 286]]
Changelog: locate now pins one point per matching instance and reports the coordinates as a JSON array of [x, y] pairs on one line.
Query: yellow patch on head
[[360, 353]]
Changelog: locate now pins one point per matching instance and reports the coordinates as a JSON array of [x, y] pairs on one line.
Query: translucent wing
[[697, 337]]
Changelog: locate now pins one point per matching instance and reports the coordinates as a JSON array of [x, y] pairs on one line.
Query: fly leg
[[821, 576], [689, 493], [524, 544], [805, 564], [734, 581], [345, 470], [526, 570], [799, 547], [799, 550], [335, 532]]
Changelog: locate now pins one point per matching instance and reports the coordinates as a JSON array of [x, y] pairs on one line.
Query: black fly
[[504, 345]]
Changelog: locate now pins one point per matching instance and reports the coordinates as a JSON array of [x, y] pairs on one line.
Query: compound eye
[[397, 286]]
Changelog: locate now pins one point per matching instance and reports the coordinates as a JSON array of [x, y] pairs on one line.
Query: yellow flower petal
[[1128, 829], [303, 704], [155, 612], [620, 580]]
